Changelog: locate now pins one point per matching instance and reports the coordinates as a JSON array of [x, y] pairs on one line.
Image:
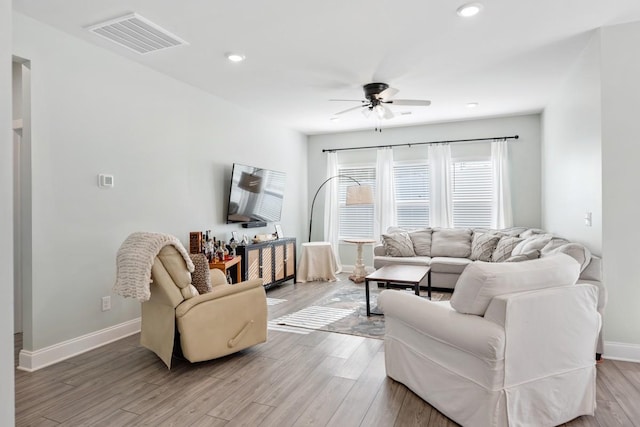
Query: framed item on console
[[279, 233]]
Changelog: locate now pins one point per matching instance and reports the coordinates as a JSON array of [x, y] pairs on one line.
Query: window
[[355, 221], [472, 194], [412, 194]]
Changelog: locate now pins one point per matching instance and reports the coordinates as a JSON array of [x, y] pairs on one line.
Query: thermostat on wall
[[105, 181]]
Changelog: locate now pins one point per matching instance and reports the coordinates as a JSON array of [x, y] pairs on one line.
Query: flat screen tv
[[255, 196]]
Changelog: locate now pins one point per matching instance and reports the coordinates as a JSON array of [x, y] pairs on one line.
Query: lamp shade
[[359, 195]]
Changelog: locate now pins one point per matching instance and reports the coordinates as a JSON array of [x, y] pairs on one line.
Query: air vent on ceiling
[[136, 33]]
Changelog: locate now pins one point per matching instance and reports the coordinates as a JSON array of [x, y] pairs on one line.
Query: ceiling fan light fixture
[[235, 57], [470, 9], [380, 111]]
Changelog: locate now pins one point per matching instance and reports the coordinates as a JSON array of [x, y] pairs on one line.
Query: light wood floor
[[316, 379]]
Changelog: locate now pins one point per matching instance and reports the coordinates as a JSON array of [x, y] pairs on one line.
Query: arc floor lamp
[[356, 195]]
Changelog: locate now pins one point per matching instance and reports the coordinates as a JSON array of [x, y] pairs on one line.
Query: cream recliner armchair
[[228, 319], [513, 347]]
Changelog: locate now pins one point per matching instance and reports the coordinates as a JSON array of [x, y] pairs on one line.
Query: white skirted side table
[[317, 262], [359, 272]]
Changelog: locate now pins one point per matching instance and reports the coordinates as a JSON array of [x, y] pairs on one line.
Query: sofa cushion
[[421, 240], [381, 261], [398, 244], [483, 245], [527, 256], [449, 264], [451, 242], [481, 281], [504, 248], [576, 251], [535, 242]]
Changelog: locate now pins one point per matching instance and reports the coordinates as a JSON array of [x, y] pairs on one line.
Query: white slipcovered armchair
[[514, 346]]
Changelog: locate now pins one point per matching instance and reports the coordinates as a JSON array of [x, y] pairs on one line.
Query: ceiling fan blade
[[388, 114], [387, 94], [347, 110], [415, 102]]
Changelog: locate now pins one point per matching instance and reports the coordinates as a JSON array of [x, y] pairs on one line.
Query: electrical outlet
[[106, 303]]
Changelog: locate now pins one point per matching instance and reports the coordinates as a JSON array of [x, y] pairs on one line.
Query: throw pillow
[[398, 244], [513, 231], [481, 281], [535, 242], [553, 244], [531, 232], [504, 248], [576, 251], [483, 245], [421, 240], [451, 242], [201, 277], [527, 256]]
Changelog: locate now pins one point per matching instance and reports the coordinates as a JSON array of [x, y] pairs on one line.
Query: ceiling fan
[[378, 97]]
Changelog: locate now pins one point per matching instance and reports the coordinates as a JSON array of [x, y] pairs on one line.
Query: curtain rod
[[409, 144]]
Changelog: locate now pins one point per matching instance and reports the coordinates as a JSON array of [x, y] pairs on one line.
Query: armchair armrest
[[378, 250], [548, 331], [442, 323], [218, 292]]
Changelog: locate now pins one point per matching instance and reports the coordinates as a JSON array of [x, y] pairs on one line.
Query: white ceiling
[[510, 58]]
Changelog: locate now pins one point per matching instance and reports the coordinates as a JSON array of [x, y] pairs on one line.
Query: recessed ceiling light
[[469, 9], [235, 57], [472, 105]]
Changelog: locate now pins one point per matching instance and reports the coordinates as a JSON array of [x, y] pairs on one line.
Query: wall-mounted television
[[255, 196]]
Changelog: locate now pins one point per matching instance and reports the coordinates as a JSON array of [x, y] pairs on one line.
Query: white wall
[[170, 147], [620, 178], [571, 159], [590, 162], [7, 407], [524, 156]]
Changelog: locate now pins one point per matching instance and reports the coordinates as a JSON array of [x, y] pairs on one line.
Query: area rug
[[344, 311]]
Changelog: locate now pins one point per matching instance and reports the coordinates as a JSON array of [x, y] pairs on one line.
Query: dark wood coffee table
[[409, 274]]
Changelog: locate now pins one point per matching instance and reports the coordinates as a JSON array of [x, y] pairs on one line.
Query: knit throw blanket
[[135, 259]]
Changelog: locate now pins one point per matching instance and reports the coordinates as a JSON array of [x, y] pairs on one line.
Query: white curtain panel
[[385, 200], [501, 214], [331, 208], [441, 204]]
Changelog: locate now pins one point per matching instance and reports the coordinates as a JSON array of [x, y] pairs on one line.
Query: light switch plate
[[105, 181]]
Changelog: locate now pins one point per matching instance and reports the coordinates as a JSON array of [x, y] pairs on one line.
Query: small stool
[[317, 263]]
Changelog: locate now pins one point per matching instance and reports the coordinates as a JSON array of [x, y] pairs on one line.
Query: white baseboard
[[33, 360], [621, 351]]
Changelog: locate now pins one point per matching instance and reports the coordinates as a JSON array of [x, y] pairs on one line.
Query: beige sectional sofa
[[449, 251]]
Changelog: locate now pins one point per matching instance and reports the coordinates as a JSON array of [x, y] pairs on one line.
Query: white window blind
[[357, 220], [412, 194], [472, 195]]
